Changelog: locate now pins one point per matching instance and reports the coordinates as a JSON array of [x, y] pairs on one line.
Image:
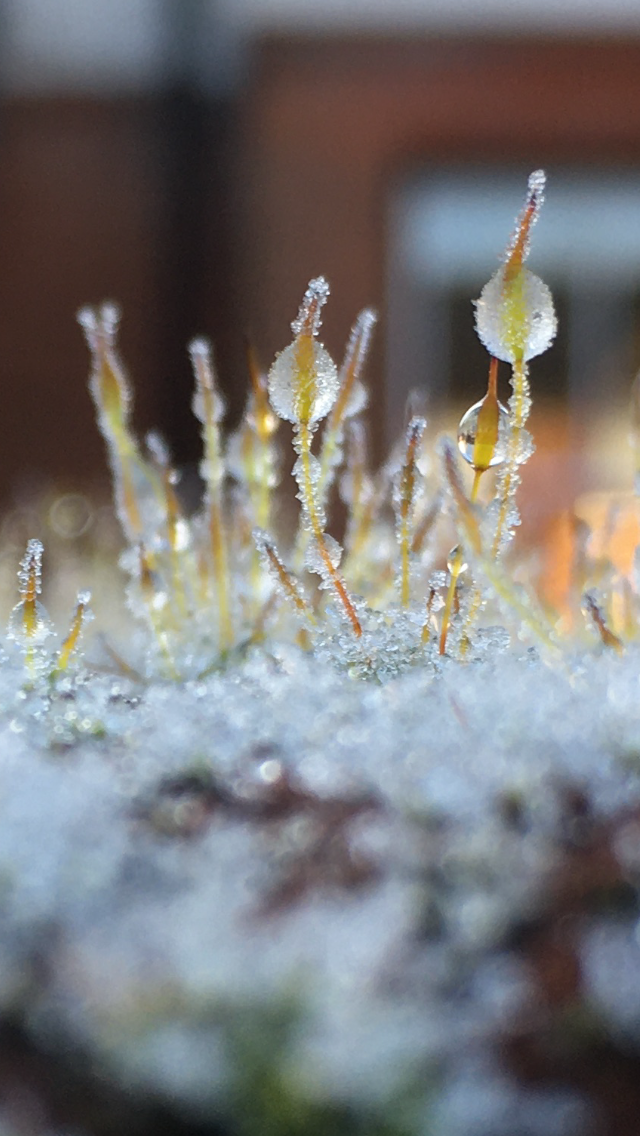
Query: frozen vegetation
[[343, 838]]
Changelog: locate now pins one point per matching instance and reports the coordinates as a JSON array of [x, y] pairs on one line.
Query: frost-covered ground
[[283, 901]]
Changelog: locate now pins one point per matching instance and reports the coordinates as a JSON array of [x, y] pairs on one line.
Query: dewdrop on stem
[[468, 432], [483, 432], [515, 317], [303, 385], [303, 379], [515, 320], [456, 562], [208, 407]]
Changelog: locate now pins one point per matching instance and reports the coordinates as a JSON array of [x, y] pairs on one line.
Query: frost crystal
[[30, 573], [309, 316], [316, 558]]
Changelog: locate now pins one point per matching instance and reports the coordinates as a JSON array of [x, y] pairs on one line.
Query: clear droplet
[[456, 562], [509, 327], [467, 432], [29, 629]]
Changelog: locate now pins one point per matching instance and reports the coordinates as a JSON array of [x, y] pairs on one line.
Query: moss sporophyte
[[209, 587]]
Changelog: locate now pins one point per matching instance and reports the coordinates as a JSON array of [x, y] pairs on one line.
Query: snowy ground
[[412, 905]]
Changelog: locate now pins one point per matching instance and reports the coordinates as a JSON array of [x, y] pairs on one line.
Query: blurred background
[[199, 160]]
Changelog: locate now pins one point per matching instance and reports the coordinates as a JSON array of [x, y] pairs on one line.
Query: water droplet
[[452, 561], [32, 628], [467, 431]]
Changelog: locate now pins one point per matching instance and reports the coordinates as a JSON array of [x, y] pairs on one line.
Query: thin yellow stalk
[[174, 518], [112, 395], [30, 589], [207, 407], [360, 498], [150, 597], [264, 424], [519, 407], [349, 375], [71, 642], [455, 571], [286, 581], [303, 434], [406, 490]]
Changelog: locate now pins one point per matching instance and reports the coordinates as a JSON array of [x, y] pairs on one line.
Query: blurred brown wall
[[330, 124], [197, 222], [77, 207]]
